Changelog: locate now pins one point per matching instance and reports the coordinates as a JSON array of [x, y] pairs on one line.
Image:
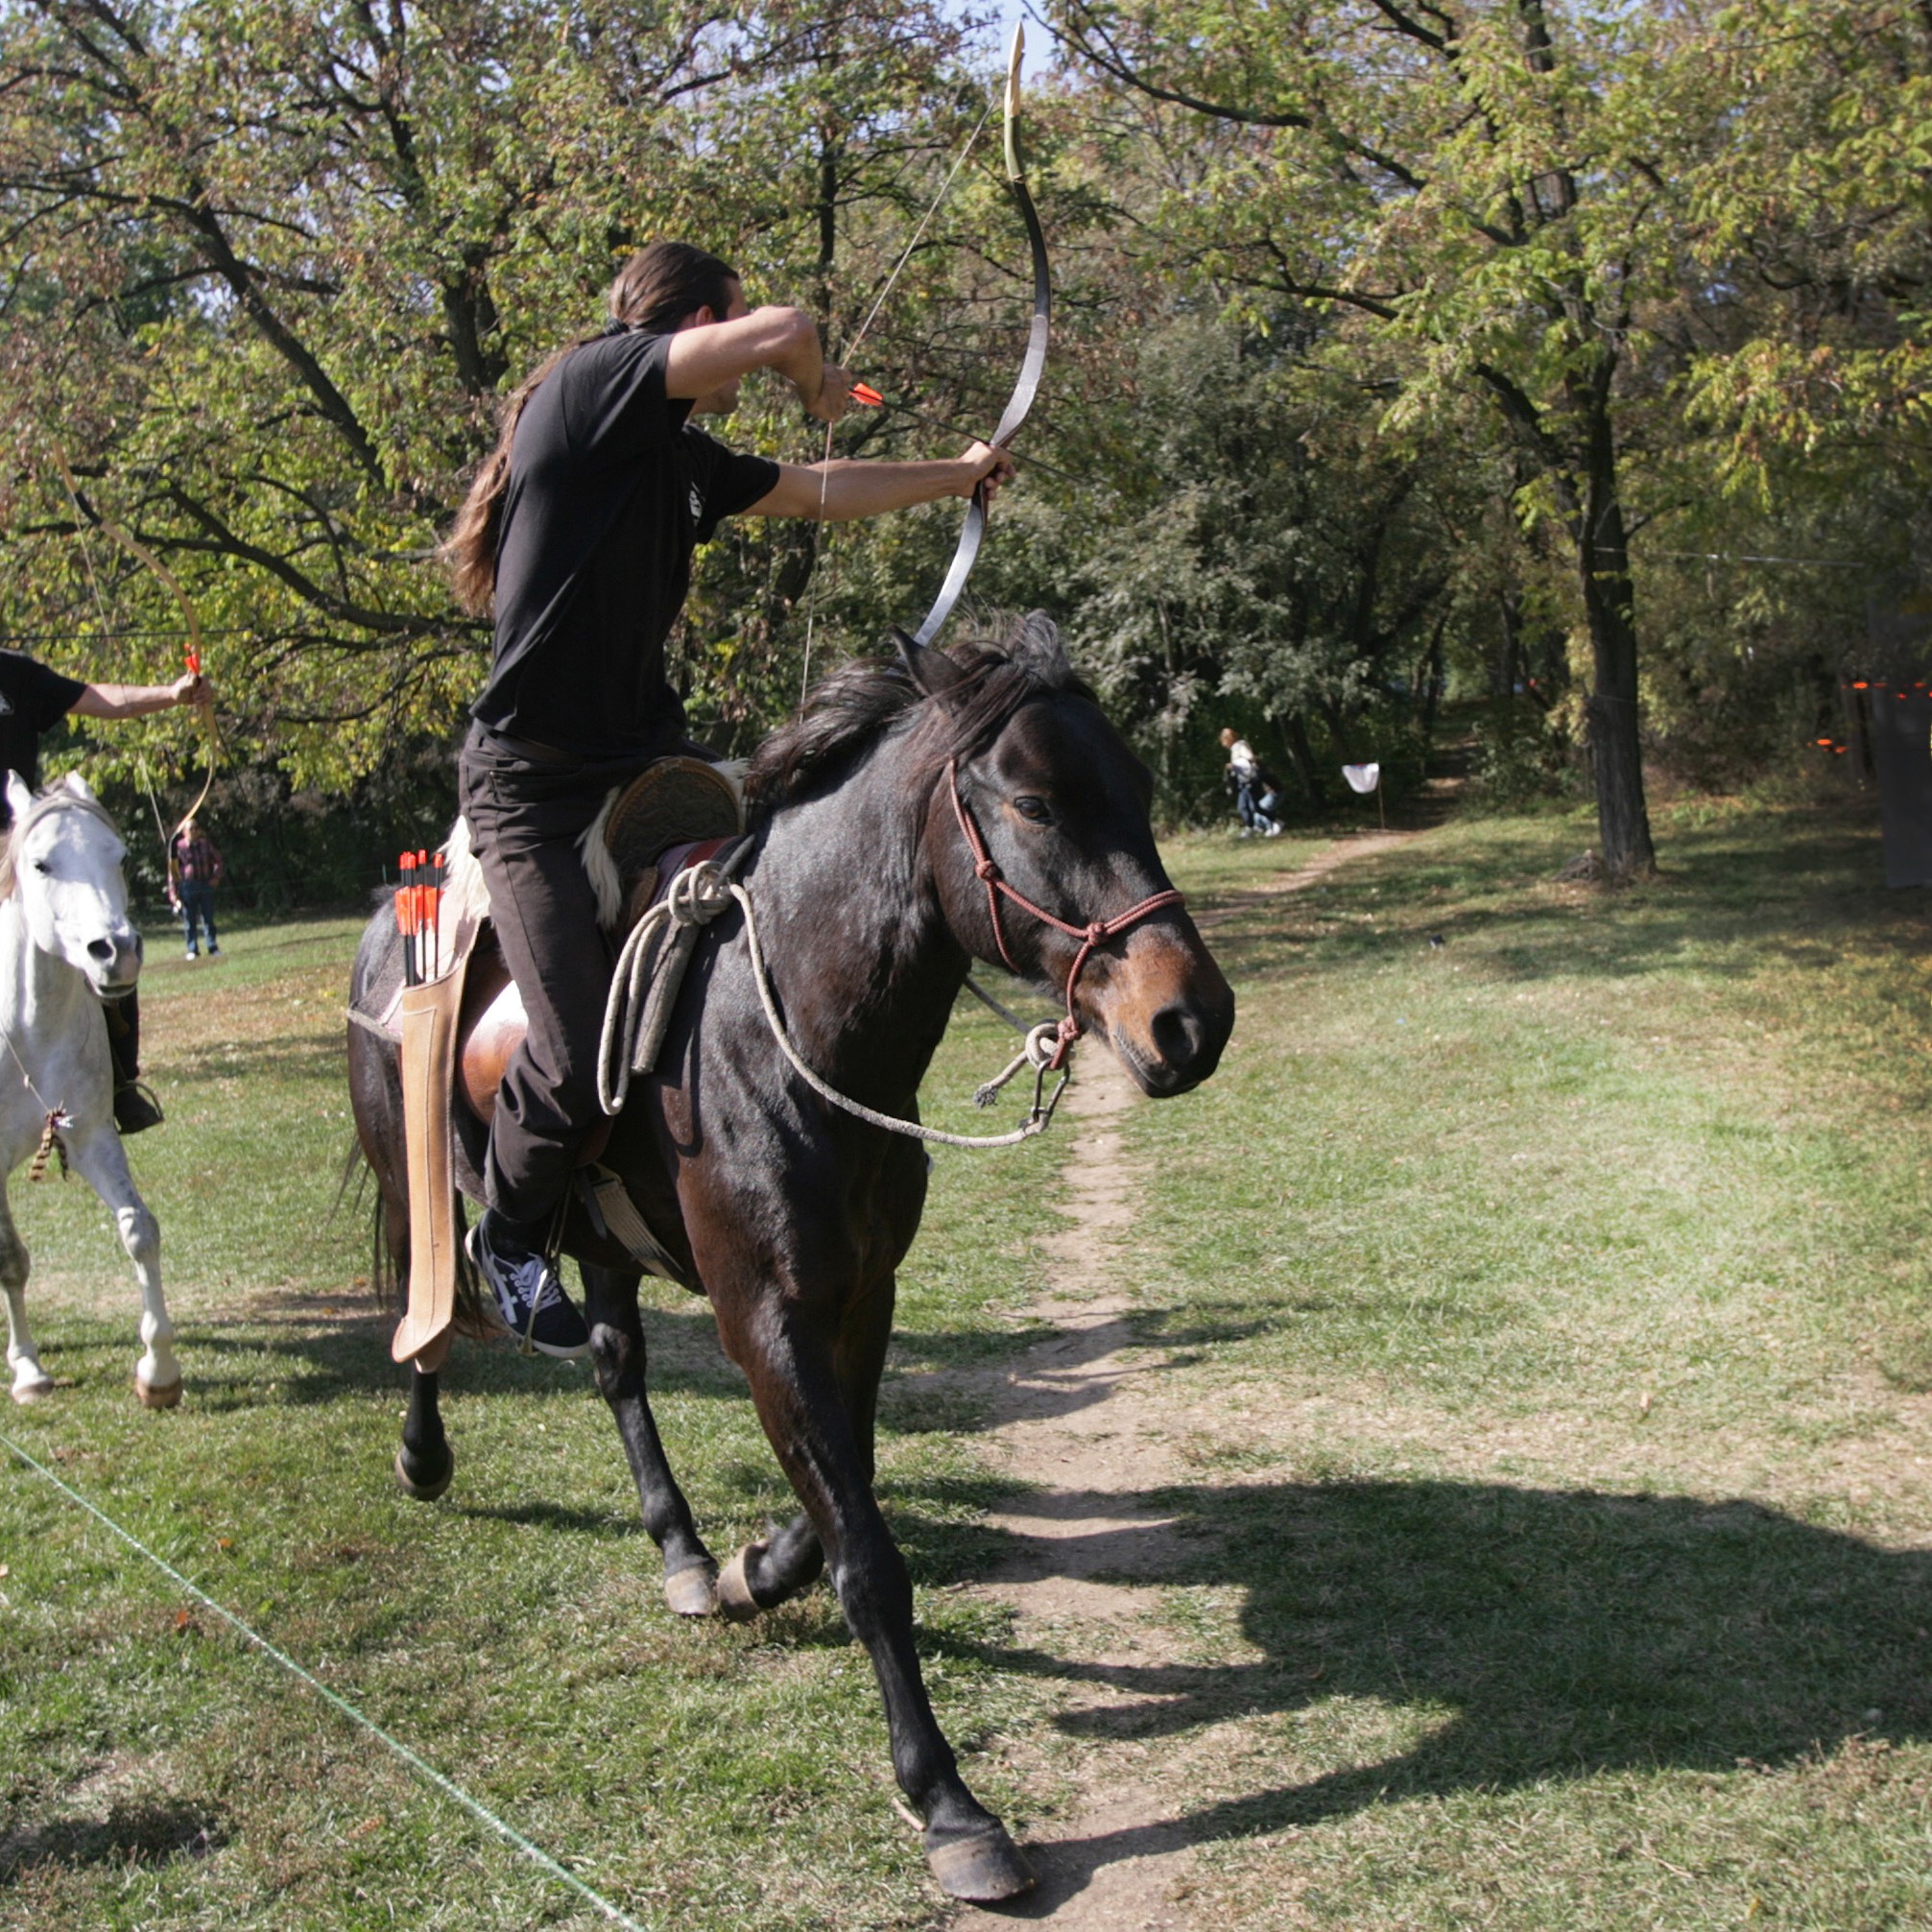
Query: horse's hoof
[[428, 1488], [982, 1868], [734, 1592], [693, 1591], [152, 1398], [34, 1391]]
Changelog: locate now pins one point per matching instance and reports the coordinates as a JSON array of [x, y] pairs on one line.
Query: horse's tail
[[389, 1255]]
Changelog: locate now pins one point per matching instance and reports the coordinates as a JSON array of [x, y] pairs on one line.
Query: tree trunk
[[1431, 680], [1294, 736], [1617, 753]]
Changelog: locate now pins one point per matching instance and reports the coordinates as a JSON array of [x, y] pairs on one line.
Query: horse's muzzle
[[116, 960], [1168, 1013]]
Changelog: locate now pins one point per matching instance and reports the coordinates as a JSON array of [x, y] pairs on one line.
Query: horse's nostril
[[101, 949], [140, 946], [1175, 1035]]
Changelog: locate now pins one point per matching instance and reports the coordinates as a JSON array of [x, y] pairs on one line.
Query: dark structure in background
[[1891, 706]]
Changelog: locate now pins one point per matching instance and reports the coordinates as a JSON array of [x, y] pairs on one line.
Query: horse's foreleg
[[617, 1358], [809, 1423], [31, 1381], [762, 1575], [103, 1162]]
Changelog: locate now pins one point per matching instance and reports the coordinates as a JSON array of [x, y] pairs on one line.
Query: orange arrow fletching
[[865, 394]]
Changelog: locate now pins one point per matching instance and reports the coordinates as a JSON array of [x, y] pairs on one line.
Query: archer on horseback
[[34, 697], [577, 536]]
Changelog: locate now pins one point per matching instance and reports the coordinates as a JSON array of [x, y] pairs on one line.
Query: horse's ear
[[19, 796], [79, 787], [932, 671]]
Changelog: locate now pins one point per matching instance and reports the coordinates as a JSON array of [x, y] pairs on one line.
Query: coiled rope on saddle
[[642, 995]]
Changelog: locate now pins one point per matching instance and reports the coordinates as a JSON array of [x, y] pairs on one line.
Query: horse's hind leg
[[104, 1164], [426, 1462], [31, 1381], [763, 1574], [618, 1357]]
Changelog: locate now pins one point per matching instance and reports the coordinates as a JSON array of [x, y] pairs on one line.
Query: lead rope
[[1043, 1037], [698, 896]]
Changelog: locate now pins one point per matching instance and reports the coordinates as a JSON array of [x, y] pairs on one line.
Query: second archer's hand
[[984, 467], [192, 688]]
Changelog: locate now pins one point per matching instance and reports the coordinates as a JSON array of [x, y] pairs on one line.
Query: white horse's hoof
[[33, 1390], [152, 1398]]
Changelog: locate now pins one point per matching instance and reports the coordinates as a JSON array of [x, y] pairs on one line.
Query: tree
[[270, 266], [1489, 185]]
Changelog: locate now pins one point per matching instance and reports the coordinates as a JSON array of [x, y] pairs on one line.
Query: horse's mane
[[56, 798], [852, 706]]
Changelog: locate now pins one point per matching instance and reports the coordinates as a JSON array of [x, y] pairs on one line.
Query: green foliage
[[1394, 350]]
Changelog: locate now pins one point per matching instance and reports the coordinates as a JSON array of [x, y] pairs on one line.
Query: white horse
[[66, 943]]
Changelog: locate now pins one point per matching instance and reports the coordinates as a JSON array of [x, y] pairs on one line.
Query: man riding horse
[[34, 697], [578, 536]]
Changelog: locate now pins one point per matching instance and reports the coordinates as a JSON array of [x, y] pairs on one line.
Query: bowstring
[[850, 349]]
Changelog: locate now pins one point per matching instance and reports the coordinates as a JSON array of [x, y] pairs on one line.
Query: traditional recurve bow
[[1031, 369]]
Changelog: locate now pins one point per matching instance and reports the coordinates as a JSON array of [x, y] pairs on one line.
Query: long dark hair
[[656, 290]]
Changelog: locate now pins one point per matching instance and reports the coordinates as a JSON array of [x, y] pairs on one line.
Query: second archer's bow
[[1031, 369], [192, 655]]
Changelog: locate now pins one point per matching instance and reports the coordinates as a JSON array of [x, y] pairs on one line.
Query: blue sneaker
[[530, 1299]]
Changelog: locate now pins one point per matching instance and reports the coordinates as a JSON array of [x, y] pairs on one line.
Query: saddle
[[456, 1032], [666, 812]]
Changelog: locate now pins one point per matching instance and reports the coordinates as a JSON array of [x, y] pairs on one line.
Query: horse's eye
[[41, 865], [1036, 809]]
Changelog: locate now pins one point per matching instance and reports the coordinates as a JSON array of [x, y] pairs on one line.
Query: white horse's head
[[63, 864]]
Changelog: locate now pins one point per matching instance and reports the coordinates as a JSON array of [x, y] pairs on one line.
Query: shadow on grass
[[125, 1834], [1542, 1632]]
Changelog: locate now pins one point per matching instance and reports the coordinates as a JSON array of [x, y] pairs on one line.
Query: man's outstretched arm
[[137, 701]]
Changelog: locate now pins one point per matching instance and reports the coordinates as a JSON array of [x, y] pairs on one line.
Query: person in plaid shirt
[[194, 872]]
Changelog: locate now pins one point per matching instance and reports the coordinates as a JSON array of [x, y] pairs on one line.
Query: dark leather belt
[[531, 752]]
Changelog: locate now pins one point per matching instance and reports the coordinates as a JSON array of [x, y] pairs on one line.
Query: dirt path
[[1089, 1420]]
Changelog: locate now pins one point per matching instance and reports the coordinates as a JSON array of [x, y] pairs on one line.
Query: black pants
[[525, 820], [124, 1038]]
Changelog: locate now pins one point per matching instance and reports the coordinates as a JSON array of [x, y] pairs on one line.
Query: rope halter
[[1095, 932]]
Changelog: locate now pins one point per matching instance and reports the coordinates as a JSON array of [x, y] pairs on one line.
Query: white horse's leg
[[31, 1381], [103, 1162]]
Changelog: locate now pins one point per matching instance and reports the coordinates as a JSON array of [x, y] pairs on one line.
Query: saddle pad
[[675, 802]]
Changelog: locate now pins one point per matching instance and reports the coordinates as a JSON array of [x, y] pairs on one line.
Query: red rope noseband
[[1094, 933]]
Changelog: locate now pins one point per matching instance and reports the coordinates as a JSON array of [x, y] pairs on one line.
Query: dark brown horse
[[914, 817]]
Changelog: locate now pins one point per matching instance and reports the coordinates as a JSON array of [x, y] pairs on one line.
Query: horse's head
[[1039, 841], [64, 864]]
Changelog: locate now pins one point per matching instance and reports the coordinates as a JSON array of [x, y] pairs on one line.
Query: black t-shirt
[[610, 491], [32, 698]]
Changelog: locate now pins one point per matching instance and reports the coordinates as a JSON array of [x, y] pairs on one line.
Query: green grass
[[1541, 1315], [157, 1770], [1553, 1304]]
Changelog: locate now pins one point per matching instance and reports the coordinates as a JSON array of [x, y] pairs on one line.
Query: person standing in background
[[1249, 785], [194, 872]]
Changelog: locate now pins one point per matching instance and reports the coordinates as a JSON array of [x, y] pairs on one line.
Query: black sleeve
[[37, 693], [613, 392], [727, 482]]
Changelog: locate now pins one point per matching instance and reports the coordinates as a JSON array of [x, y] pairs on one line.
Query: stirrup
[[138, 1100]]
